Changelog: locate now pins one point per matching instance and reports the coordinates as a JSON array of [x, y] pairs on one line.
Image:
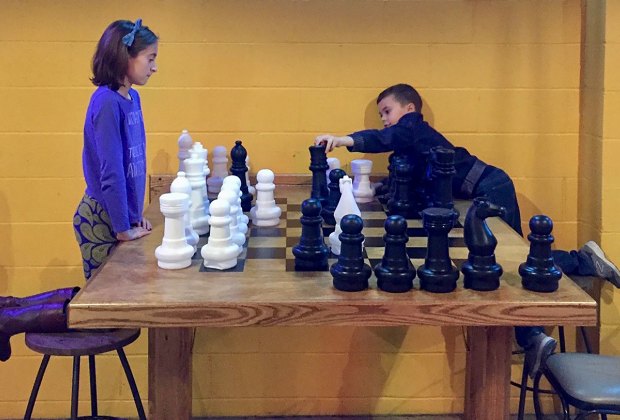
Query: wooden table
[[131, 291]]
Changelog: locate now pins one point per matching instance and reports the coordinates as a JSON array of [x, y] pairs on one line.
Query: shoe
[[602, 266], [541, 347]]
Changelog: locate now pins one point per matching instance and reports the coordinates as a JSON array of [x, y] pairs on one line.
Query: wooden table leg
[[487, 378], [170, 373]]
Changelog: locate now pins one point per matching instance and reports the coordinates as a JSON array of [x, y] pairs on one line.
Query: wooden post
[[487, 379], [170, 373]]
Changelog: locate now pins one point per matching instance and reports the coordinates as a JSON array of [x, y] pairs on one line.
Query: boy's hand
[[330, 142], [133, 233]]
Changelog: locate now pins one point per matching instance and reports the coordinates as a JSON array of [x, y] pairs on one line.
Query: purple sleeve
[[107, 126]]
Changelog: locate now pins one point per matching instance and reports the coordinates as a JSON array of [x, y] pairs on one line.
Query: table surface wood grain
[[132, 291]]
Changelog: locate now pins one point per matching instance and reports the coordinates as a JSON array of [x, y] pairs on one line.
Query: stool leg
[[523, 392], [562, 339], [93, 385], [132, 384], [75, 387], [36, 386]]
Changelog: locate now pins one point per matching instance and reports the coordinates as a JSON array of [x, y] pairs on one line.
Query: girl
[[113, 157]]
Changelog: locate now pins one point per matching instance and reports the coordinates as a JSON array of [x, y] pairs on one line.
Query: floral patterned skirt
[[94, 234]]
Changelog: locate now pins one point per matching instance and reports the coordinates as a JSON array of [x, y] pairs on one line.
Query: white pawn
[[265, 212], [332, 163], [174, 252], [220, 170], [181, 185], [231, 198], [185, 144], [199, 208], [220, 252], [202, 154], [362, 190], [234, 180], [242, 219], [346, 205], [251, 189]]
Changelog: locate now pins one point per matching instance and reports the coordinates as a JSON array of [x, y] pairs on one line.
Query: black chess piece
[[442, 163], [239, 168], [334, 196], [539, 273], [311, 253], [350, 273], [395, 272], [481, 271], [438, 275], [319, 166], [400, 202], [384, 191]]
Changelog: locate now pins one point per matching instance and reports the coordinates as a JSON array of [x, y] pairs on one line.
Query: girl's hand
[[145, 224], [132, 234], [330, 142]]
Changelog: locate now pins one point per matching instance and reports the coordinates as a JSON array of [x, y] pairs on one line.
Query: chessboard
[[271, 247]]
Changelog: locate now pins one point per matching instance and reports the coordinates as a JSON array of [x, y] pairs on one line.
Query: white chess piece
[[251, 189], [219, 170], [234, 179], [242, 219], [362, 190], [199, 210], [346, 205], [220, 252], [332, 163], [174, 252], [231, 198], [265, 212], [181, 185], [203, 153], [185, 144]]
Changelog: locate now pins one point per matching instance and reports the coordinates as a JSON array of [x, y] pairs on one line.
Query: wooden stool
[[83, 343]]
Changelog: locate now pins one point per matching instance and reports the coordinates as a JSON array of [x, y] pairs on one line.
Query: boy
[[406, 132]]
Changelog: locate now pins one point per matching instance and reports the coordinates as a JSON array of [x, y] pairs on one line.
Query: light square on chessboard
[[267, 242]]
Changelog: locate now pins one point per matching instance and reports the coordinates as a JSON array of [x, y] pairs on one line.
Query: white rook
[[362, 190], [174, 252]]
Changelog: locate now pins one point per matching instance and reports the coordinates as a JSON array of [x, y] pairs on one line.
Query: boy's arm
[[375, 141], [330, 142]]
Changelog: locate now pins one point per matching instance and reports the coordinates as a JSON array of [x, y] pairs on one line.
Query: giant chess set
[[403, 229]]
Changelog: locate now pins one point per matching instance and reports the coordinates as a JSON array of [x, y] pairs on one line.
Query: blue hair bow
[[128, 39]]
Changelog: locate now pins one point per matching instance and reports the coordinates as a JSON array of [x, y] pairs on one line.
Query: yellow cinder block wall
[[501, 78]]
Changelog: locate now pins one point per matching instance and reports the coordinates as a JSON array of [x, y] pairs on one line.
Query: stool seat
[[81, 342], [589, 380]]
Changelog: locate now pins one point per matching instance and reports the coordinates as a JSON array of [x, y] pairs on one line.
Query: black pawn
[[539, 273], [395, 273], [350, 273], [311, 253], [481, 271], [442, 161], [400, 202], [239, 168], [438, 275], [318, 166], [334, 196]]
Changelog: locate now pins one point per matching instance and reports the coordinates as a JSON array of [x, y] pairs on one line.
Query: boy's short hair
[[111, 58], [404, 94]]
